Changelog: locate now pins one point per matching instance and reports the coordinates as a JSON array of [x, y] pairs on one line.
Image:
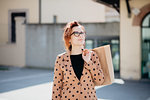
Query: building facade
[[29, 32], [134, 39]]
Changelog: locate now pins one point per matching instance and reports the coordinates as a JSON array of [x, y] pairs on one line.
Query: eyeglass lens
[[78, 33]]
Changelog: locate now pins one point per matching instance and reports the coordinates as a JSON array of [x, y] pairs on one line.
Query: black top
[[77, 64]]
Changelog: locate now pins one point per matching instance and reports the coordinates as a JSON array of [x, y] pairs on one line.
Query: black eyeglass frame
[[78, 33]]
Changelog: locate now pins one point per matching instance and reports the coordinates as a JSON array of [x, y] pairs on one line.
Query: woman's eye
[[76, 33]]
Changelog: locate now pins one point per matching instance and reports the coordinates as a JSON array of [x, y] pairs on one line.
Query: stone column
[[20, 40]]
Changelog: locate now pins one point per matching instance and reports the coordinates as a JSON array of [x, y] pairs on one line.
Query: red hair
[[67, 33]]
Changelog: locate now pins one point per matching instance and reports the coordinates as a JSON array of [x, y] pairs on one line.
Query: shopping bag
[[105, 58]]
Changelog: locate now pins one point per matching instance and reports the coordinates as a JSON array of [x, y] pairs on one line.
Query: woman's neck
[[76, 50]]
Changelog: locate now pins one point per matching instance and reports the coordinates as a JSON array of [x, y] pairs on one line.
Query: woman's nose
[[81, 36]]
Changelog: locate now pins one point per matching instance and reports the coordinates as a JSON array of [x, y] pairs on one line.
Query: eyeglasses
[[77, 34]]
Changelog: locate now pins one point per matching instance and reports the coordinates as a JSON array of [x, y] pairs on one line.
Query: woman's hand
[[86, 55]]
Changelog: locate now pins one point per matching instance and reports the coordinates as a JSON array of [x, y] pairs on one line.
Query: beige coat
[[66, 85]]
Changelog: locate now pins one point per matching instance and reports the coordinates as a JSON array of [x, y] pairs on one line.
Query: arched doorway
[[145, 44]]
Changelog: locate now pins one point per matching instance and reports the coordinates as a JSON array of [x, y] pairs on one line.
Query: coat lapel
[[68, 62]]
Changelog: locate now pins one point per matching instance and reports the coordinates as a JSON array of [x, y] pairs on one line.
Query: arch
[[137, 20]]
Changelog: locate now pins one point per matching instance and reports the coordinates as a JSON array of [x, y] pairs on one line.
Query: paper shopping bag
[[105, 58]]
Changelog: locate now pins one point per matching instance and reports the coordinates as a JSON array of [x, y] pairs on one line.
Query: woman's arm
[[95, 69], [57, 80]]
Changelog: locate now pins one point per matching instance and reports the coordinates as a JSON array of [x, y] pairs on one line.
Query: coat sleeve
[[57, 80], [95, 69]]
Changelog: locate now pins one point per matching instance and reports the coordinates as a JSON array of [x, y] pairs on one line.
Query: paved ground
[[36, 84]]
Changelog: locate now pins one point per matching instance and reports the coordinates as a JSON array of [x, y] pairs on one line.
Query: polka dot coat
[[66, 85]]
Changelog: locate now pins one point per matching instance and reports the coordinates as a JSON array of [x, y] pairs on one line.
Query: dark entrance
[[13, 24]]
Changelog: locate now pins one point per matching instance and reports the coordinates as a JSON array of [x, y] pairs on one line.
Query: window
[[89, 44], [145, 47]]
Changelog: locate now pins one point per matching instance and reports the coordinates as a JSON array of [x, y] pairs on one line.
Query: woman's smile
[[80, 39]]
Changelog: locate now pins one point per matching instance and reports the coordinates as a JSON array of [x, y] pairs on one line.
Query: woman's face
[[75, 39]]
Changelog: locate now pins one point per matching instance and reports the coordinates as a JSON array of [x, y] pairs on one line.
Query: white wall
[[68, 10], [31, 6], [14, 54]]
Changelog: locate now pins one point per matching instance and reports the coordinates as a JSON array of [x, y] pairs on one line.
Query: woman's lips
[[80, 39]]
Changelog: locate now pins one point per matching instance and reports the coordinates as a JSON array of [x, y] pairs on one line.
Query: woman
[[77, 71]]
